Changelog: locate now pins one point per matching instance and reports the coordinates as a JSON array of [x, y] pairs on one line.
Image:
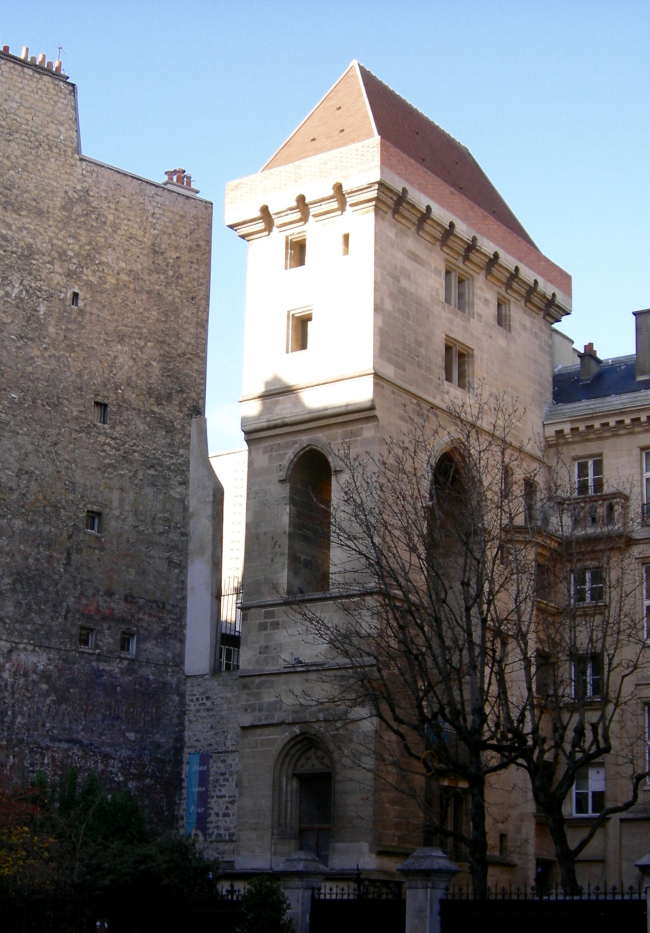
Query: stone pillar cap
[[303, 862], [644, 864], [429, 859]]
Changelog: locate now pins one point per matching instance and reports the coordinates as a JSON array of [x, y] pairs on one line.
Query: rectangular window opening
[[503, 314], [74, 299], [101, 413], [588, 677], [588, 586], [299, 331], [458, 365], [589, 790], [295, 251], [646, 486], [127, 643], [646, 600], [86, 637], [346, 244], [458, 291], [94, 522], [589, 477]]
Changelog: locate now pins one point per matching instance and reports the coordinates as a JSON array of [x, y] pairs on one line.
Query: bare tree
[[445, 549]]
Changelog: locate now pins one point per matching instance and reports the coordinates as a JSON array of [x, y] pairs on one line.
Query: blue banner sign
[[198, 782]]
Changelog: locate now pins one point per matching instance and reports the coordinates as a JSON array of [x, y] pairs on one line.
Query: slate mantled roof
[[361, 107], [616, 377]]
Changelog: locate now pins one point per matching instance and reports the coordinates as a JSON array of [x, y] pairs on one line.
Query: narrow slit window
[[503, 314], [94, 522], [345, 250], [127, 643], [101, 413], [74, 299], [296, 251]]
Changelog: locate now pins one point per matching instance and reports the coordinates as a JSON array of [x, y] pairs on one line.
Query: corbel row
[[379, 196]]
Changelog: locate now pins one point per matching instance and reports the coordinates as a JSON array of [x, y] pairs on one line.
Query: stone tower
[[383, 267]]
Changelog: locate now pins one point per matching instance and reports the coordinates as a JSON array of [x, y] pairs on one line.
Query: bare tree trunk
[[565, 857], [478, 835]]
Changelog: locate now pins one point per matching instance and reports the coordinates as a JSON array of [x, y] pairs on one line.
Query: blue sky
[[550, 97]]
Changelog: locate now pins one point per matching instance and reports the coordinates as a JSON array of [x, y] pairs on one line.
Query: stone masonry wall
[[104, 281]]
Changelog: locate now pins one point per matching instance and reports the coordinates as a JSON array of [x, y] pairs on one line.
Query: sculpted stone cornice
[[455, 240]]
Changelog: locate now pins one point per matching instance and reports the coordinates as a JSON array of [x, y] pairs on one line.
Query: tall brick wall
[[137, 254]]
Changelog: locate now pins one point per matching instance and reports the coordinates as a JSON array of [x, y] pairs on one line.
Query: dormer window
[[295, 251]]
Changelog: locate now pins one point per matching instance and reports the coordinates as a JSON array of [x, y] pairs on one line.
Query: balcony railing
[[602, 514]]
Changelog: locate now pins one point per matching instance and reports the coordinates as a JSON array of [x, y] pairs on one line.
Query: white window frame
[[593, 676], [130, 652], [462, 300], [589, 586], [593, 483], [596, 783]]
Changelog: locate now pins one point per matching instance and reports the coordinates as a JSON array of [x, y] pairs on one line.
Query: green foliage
[[98, 842], [265, 907]]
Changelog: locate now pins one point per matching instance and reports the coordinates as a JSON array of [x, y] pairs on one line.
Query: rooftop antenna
[[59, 49]]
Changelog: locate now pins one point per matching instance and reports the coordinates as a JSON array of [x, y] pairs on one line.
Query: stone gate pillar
[[300, 874], [428, 873], [644, 867]]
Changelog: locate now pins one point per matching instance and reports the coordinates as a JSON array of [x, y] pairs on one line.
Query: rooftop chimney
[[642, 343], [589, 363], [178, 178]]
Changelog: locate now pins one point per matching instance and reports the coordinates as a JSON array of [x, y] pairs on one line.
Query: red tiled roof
[[360, 106]]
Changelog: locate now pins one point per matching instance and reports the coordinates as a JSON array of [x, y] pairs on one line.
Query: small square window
[[346, 244], [101, 413], [94, 522], [458, 291], [503, 314], [295, 251], [74, 299], [299, 331], [127, 643], [86, 638], [458, 364]]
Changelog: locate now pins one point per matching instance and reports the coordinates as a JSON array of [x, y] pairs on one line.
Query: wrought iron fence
[[360, 889], [548, 893], [230, 622]]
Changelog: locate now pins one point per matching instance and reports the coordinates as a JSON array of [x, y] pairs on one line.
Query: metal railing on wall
[[230, 622]]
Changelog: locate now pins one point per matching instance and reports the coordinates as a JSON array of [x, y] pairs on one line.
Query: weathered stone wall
[[137, 255]]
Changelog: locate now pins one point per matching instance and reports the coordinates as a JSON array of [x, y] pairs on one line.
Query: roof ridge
[[412, 107]]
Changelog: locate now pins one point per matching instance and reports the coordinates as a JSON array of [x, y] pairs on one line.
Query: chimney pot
[[589, 348], [5, 48], [32, 59], [49, 66], [58, 64], [188, 181], [25, 53], [41, 59]]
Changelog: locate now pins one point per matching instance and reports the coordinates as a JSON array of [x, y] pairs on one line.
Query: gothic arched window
[[304, 796], [310, 505]]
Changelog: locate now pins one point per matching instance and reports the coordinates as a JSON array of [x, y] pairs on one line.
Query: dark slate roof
[[616, 377]]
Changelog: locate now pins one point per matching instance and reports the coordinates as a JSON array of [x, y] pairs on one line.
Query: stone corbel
[[294, 216], [429, 227], [254, 227], [452, 243], [404, 212], [375, 195], [329, 206]]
